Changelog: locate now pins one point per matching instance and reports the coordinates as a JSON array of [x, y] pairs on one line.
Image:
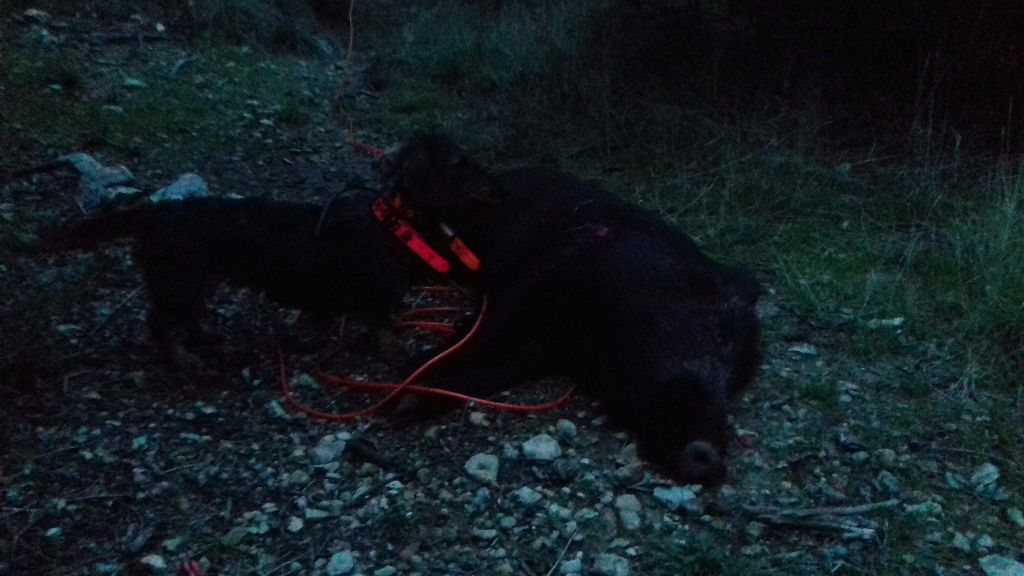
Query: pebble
[[565, 429], [294, 524], [527, 496], [187, 185], [680, 497], [1015, 516], [886, 457], [888, 482], [385, 571], [924, 509], [571, 566], [155, 563], [478, 419], [297, 478], [984, 475], [340, 563], [541, 447], [315, 514], [628, 508], [994, 565], [485, 533], [327, 450], [483, 467], [276, 411], [172, 544], [611, 565], [754, 530], [961, 542], [804, 348]]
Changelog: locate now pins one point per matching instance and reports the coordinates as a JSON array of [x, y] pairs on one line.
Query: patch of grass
[[702, 557], [213, 110], [476, 50], [852, 240], [822, 394], [988, 244]]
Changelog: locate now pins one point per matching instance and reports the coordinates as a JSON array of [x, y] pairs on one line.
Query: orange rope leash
[[407, 386]]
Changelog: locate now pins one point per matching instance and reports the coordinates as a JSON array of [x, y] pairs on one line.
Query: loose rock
[[340, 563], [611, 565], [155, 563], [542, 447], [994, 565], [565, 429], [329, 449], [677, 497], [629, 508], [527, 496], [483, 467], [187, 185]]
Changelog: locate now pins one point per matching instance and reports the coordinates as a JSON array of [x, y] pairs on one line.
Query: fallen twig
[[849, 531], [561, 555], [181, 64], [351, 30], [101, 38], [989, 455], [124, 301], [824, 511]]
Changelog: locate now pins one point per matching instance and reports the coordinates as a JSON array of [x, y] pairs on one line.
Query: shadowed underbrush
[[899, 249]]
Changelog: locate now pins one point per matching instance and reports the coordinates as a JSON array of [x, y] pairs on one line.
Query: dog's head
[[438, 180]]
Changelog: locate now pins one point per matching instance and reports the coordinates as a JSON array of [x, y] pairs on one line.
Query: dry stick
[[351, 29], [848, 531], [826, 511], [988, 455], [561, 555], [114, 312], [181, 64]]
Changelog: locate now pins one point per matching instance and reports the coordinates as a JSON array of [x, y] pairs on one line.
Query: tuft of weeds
[[988, 245], [702, 557]]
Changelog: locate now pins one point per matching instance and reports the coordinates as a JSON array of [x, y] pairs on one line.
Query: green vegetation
[[227, 92], [852, 239]]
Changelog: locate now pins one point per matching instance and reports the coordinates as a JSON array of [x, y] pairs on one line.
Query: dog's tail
[[94, 230]]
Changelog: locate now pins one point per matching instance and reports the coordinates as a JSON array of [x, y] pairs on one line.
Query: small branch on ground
[[351, 29], [120, 305], [824, 511], [180, 64], [988, 455], [102, 38], [561, 555], [783, 518], [848, 530]]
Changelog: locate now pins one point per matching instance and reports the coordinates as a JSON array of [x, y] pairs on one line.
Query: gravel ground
[[112, 464]]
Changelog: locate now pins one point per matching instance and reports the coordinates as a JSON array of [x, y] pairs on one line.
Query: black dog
[[326, 263], [586, 285]]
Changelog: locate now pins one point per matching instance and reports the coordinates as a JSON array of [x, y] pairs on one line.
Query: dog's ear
[[431, 172]]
